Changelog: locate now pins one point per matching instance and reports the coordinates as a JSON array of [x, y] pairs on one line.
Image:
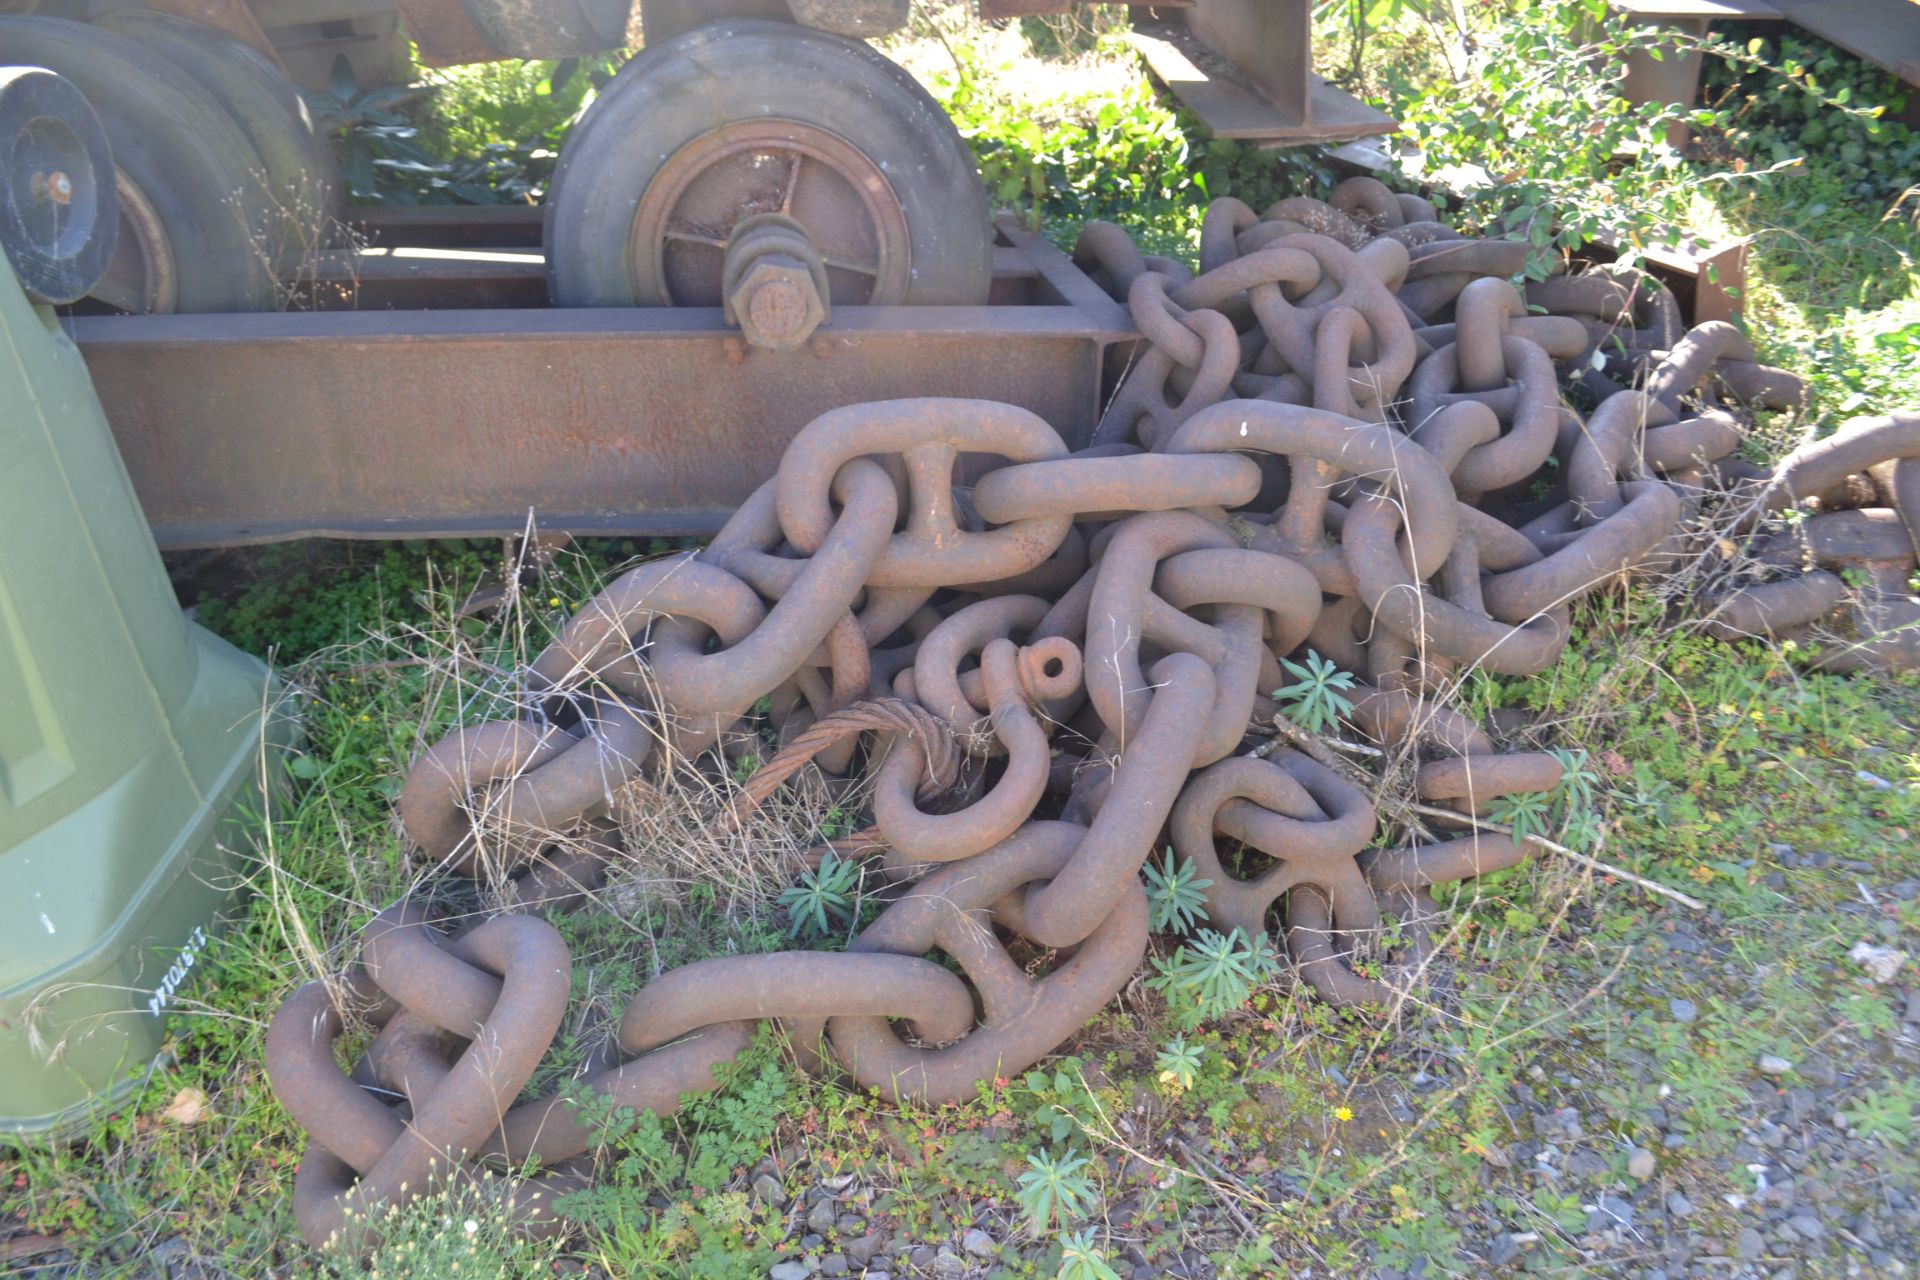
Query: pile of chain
[[1349, 433]]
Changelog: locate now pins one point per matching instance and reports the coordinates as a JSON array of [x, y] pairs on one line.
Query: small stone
[[1806, 1226], [1820, 1071], [978, 1243], [1503, 1250], [822, 1217], [863, 1250], [767, 1190], [948, 1263], [1585, 1165], [1611, 1211], [850, 1225], [1882, 964], [1750, 1245], [1641, 1164], [921, 1256], [1678, 1206], [1683, 1010], [788, 1271], [1772, 1064], [834, 1264]]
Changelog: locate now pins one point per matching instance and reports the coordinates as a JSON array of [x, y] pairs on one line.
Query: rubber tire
[[175, 145], [302, 172], [675, 91], [46, 125], [551, 28]]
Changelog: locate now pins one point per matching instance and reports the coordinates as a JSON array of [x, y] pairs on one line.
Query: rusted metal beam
[[255, 428]]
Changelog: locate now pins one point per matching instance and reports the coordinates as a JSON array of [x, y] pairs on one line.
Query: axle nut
[[775, 304]]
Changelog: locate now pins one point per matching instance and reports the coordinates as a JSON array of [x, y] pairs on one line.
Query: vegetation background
[[1598, 1082]]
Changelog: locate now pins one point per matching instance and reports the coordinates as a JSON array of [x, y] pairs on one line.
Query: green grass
[[1330, 1138]]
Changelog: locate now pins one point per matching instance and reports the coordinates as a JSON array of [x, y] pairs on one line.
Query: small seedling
[[1176, 895], [1179, 1063], [1081, 1259], [1054, 1190], [1214, 974], [823, 898], [1529, 813], [1316, 701]]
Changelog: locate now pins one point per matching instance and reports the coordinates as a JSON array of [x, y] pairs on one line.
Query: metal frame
[[388, 424]]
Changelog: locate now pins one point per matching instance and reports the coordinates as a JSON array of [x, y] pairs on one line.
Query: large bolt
[[55, 186], [775, 304]]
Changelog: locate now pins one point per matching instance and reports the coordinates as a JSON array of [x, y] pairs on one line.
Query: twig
[[1230, 1180], [1319, 749], [1605, 868]]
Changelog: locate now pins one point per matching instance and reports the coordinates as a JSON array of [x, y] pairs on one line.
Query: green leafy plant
[[1317, 700], [1081, 1258], [1213, 975], [1532, 133], [1575, 790], [465, 1229], [1179, 1062], [824, 897], [1176, 893], [491, 133], [1529, 813], [1054, 1189], [1886, 1114], [1056, 1101]]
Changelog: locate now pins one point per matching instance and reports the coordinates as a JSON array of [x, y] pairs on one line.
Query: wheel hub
[[759, 166]]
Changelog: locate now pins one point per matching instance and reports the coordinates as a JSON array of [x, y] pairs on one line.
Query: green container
[[132, 749]]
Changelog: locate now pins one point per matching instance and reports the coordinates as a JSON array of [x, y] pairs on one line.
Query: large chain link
[[1350, 432]]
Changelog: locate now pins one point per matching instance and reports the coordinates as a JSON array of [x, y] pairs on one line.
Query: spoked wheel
[[769, 166], [740, 118]]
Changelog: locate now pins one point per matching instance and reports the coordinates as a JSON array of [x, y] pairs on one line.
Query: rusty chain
[[1349, 432]]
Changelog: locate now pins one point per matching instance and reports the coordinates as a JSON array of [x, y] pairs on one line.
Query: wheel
[[58, 209], [551, 28], [745, 117], [189, 206], [301, 173]]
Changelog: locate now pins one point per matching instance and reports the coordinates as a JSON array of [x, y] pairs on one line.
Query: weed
[[1317, 699], [1081, 1258], [1886, 1114], [1213, 974], [1055, 1189], [1179, 1062], [824, 898], [1176, 893]]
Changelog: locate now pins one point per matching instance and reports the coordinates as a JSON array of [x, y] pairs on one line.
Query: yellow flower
[[554, 601], [1343, 1114]]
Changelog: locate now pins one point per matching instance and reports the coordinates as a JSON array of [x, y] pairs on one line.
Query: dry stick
[[1230, 1180], [1317, 748], [1605, 868]]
